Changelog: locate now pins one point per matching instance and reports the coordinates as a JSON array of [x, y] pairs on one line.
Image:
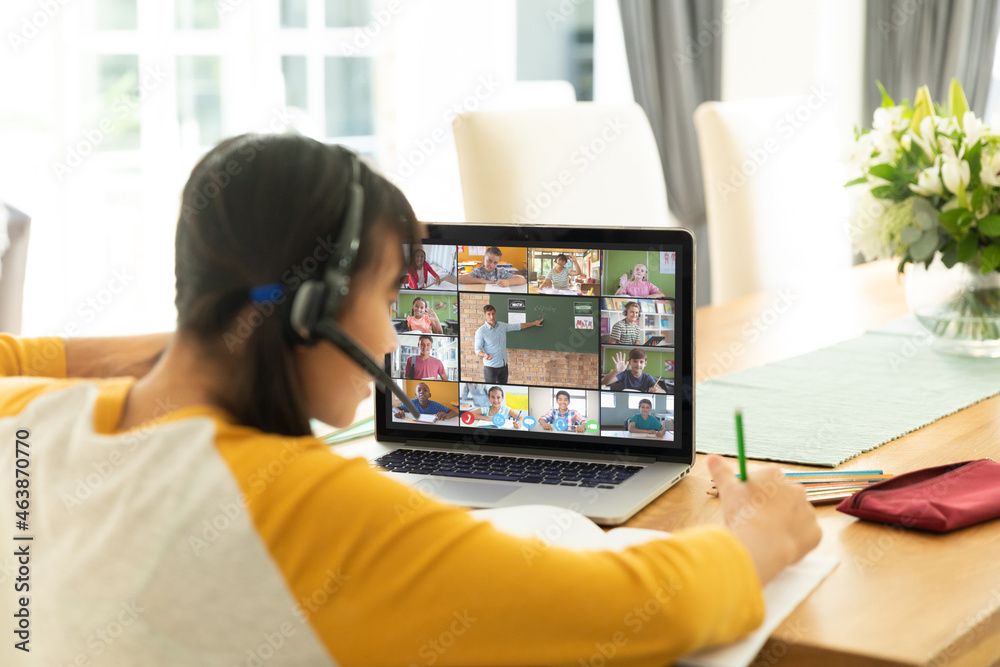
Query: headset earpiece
[[307, 309]]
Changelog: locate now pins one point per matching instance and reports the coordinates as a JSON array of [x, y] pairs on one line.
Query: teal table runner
[[828, 406]]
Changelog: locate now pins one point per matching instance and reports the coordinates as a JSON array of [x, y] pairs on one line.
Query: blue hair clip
[[266, 293]]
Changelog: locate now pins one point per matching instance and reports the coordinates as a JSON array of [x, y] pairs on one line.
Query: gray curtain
[[675, 63], [909, 44]]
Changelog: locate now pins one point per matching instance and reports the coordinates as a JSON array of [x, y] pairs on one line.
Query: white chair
[[774, 196], [583, 164], [13, 262]]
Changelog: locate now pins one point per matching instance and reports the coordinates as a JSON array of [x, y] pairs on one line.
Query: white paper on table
[[553, 290], [427, 418], [497, 288], [516, 318], [558, 526]]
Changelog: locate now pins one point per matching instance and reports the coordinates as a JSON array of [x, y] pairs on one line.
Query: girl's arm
[[411, 279], [114, 356], [428, 269]]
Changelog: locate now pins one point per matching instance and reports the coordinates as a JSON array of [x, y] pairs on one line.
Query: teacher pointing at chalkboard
[[491, 344]]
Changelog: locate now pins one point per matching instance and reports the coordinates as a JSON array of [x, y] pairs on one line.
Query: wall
[[776, 48]]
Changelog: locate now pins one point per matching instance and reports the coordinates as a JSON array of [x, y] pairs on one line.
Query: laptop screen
[[577, 339]]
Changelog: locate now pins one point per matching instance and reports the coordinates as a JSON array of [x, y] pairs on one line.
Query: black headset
[[317, 302]]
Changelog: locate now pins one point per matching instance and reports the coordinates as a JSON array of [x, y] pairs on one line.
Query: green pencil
[[739, 445]]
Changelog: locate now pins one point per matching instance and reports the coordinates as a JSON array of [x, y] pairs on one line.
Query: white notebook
[[575, 531]]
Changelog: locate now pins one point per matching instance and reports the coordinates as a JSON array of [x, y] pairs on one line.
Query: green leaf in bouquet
[[978, 195], [924, 247], [990, 258], [911, 234], [956, 221], [957, 104], [886, 100], [856, 181], [895, 192], [886, 171], [966, 248], [949, 254], [922, 107], [990, 225]]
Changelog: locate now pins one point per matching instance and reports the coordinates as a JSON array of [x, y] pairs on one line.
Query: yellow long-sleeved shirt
[[194, 540]]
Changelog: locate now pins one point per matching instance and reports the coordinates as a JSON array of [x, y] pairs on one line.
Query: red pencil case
[[938, 499]]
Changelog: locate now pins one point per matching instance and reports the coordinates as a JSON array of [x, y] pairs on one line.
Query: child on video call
[[418, 271], [574, 420], [560, 276], [629, 373], [644, 423], [497, 406], [637, 284], [425, 406], [627, 331], [422, 318]]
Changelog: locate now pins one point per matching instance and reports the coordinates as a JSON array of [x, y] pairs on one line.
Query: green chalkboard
[[617, 262], [558, 332]]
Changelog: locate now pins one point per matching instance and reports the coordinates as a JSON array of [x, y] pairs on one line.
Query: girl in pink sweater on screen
[[419, 271], [637, 284]]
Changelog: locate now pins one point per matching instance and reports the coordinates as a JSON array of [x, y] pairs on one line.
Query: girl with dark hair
[[190, 506]]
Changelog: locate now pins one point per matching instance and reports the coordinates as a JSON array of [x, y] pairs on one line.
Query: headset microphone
[[317, 302], [331, 332]]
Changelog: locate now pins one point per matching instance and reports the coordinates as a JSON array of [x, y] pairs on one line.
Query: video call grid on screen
[[602, 306]]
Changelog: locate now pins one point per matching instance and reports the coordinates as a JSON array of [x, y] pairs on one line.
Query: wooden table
[[898, 597]]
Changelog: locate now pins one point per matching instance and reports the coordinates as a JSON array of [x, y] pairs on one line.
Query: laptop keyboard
[[507, 468]]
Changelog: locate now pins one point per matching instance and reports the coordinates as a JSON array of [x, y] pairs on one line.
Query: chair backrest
[[774, 195], [13, 263], [582, 164]]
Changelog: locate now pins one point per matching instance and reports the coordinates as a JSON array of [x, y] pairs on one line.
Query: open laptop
[[552, 433]]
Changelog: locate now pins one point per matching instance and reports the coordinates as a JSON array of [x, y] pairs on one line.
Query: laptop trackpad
[[466, 493]]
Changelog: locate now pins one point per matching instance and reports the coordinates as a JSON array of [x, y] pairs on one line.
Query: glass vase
[[960, 307]]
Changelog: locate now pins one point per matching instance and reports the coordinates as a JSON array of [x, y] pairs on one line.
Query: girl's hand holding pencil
[[769, 515]]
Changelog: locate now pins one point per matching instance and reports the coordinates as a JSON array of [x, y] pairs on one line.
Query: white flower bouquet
[[931, 189]]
